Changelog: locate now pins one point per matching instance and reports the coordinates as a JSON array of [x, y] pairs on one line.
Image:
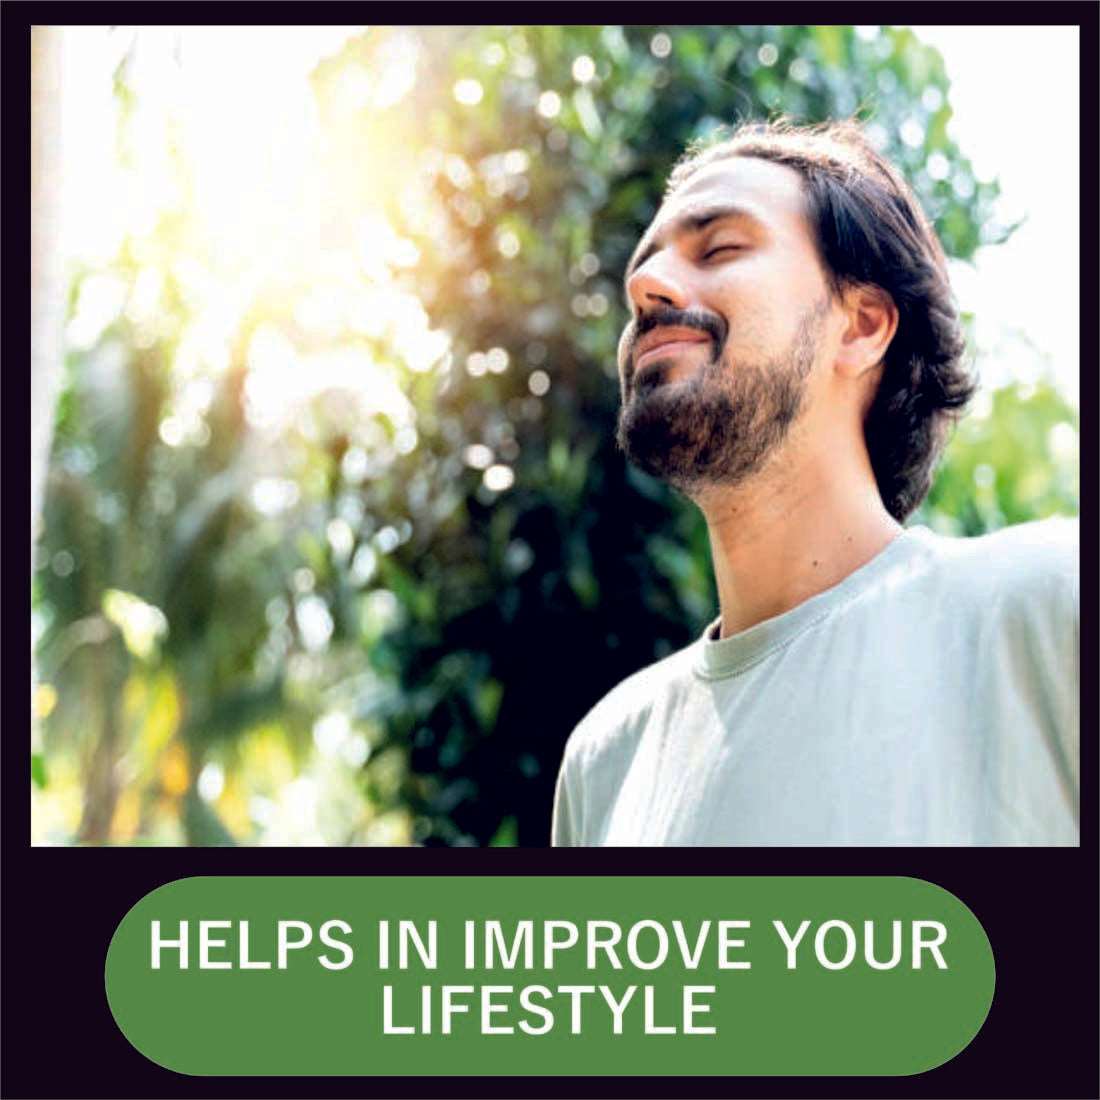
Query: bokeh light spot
[[469, 92], [660, 45], [584, 69], [549, 105]]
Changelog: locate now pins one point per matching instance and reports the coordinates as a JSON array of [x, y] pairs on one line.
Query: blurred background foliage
[[337, 546]]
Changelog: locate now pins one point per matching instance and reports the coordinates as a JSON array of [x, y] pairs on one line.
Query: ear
[[872, 320]]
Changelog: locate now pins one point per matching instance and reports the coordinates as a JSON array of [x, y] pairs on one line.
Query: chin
[[666, 371], [656, 429], [661, 376]]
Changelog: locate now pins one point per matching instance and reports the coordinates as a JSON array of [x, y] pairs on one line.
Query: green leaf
[[507, 836], [38, 770]]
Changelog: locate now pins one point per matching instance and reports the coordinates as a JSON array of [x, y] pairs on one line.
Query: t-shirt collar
[[719, 657]]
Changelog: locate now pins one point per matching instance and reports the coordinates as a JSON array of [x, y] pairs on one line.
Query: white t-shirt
[[930, 698]]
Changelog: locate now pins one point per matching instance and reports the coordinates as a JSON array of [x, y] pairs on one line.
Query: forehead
[[770, 192]]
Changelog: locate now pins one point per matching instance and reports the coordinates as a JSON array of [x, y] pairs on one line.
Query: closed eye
[[722, 248]]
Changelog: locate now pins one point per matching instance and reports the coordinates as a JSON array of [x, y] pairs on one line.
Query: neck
[[794, 531]]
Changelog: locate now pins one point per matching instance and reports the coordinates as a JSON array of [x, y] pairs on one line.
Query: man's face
[[729, 304]]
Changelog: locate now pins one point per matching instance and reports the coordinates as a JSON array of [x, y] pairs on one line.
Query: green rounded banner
[[546, 976]]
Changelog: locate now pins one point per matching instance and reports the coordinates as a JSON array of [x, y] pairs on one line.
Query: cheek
[[761, 303], [624, 346], [752, 324]]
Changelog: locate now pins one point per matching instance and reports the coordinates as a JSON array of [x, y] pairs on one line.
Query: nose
[[658, 282]]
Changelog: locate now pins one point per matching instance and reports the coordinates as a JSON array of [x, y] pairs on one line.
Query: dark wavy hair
[[870, 229]]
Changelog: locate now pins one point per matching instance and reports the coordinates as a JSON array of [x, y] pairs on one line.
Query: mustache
[[710, 323]]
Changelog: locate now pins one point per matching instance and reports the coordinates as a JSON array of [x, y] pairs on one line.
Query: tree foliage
[[449, 561]]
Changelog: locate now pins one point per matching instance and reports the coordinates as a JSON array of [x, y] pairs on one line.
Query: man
[[793, 364]]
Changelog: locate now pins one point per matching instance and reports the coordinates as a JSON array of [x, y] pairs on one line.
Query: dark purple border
[[61, 906]]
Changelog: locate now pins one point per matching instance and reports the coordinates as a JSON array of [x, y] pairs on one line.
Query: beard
[[719, 426]]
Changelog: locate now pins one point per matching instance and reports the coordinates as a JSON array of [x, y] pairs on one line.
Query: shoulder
[[1038, 560], [612, 728], [600, 750], [1042, 543]]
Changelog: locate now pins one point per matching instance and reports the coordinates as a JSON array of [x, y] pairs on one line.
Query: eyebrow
[[692, 220]]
